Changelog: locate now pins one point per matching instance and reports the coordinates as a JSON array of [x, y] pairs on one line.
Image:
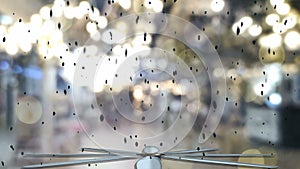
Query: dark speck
[[101, 117], [145, 36], [2, 163], [12, 147], [3, 40], [214, 104], [203, 136], [238, 31]]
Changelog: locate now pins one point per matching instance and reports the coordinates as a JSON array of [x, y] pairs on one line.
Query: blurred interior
[[46, 107]]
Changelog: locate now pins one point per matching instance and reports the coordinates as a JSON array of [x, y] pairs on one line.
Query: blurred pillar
[[12, 90], [3, 93], [49, 86]]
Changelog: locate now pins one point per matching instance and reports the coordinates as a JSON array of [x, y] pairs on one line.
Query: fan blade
[[214, 162], [225, 155], [108, 151], [191, 151], [76, 162], [67, 155]]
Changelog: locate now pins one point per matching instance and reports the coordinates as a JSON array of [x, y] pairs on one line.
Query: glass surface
[[174, 74]]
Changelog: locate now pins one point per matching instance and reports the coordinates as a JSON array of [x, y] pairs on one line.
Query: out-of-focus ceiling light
[[45, 12], [155, 5], [125, 4], [283, 9], [91, 27], [275, 99], [217, 5], [255, 30], [279, 28], [242, 25], [291, 21], [292, 40], [246, 21], [158, 6], [69, 12], [102, 22], [273, 40], [58, 8], [276, 2], [272, 19], [6, 20]]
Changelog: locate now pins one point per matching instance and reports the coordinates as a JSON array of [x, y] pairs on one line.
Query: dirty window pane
[[123, 75]]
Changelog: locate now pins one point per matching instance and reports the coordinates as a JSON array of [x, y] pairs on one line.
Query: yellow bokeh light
[[29, 110], [271, 55], [258, 160]]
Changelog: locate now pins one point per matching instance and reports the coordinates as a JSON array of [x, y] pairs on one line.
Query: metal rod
[[225, 155], [191, 151], [214, 162], [76, 162], [108, 151], [67, 155]]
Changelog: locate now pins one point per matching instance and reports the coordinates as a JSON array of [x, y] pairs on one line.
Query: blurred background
[[258, 43]]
